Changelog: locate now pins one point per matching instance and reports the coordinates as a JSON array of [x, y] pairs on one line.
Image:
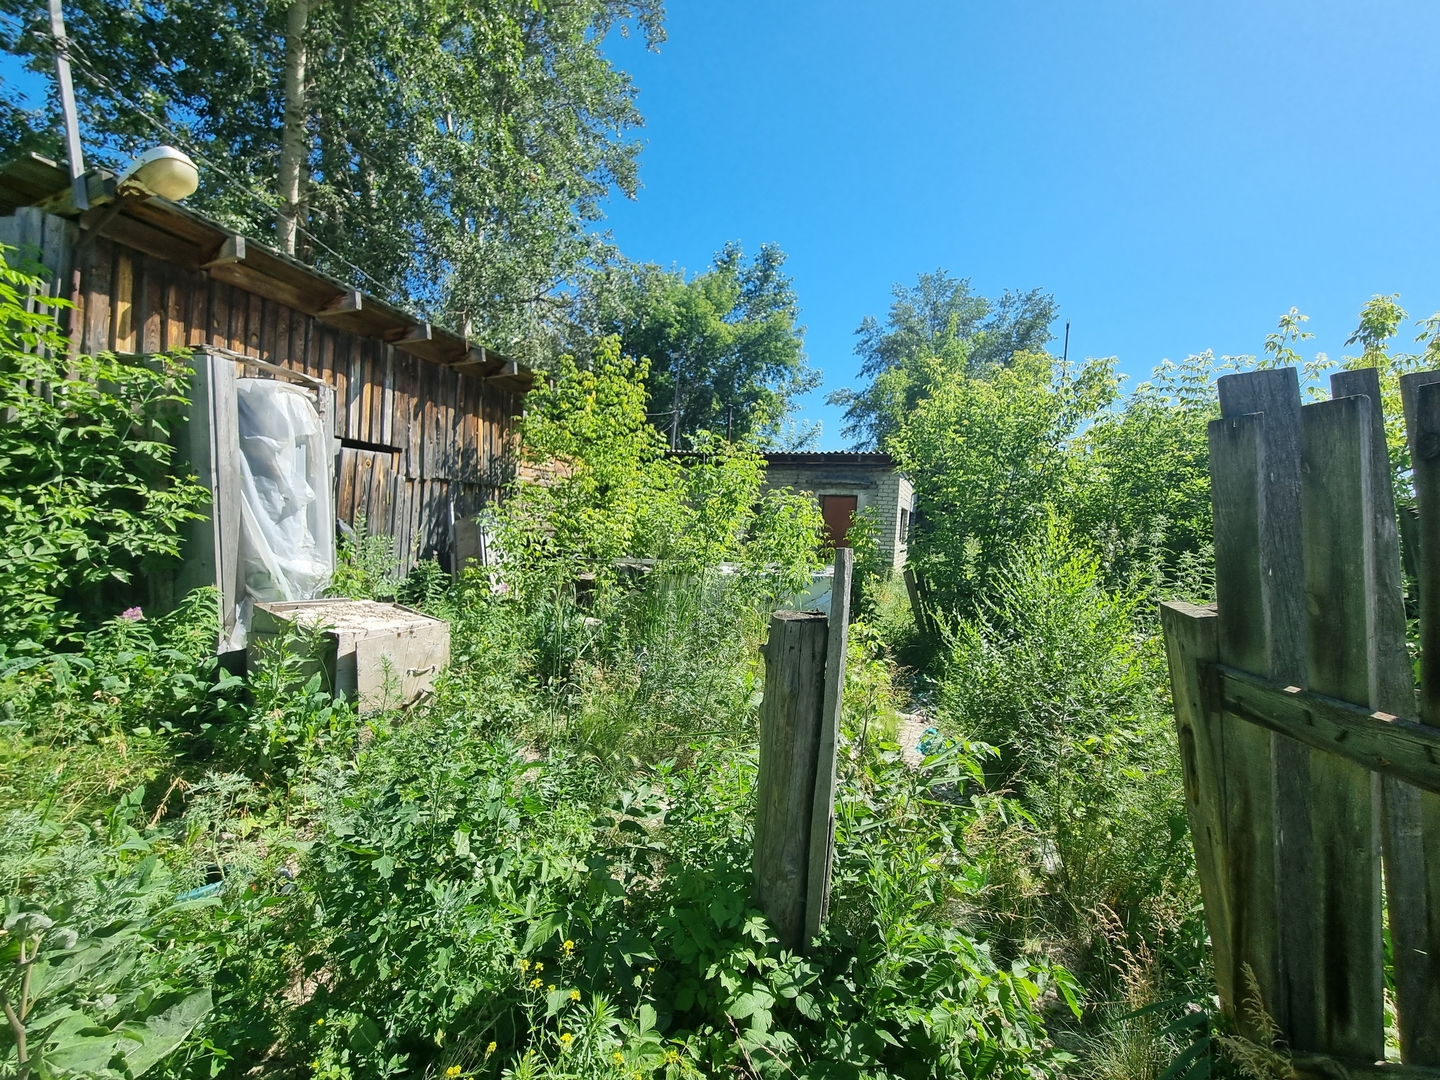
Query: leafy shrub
[[87, 487], [1066, 679], [597, 485]]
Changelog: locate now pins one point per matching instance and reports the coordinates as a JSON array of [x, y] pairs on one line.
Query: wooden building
[[424, 417]]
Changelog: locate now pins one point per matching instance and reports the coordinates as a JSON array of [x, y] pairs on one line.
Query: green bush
[[88, 494], [1066, 678]]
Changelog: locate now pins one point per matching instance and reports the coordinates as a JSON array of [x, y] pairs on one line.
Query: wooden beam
[[1391, 745], [232, 250], [126, 230], [429, 342]]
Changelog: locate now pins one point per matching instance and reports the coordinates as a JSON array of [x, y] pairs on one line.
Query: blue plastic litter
[[931, 742]]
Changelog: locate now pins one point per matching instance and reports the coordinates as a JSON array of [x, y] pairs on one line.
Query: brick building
[[847, 483]]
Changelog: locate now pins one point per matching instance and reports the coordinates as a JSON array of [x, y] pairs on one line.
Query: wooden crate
[[381, 655]]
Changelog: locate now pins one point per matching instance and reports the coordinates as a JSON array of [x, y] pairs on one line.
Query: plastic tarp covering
[[286, 547]]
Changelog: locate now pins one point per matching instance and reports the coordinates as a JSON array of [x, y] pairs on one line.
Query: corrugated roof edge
[[131, 215], [830, 457]]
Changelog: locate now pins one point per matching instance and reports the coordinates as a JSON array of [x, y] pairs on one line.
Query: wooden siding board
[[122, 330], [153, 314], [98, 288], [254, 323]]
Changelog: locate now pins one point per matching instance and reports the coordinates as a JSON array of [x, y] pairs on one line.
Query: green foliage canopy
[[939, 317], [599, 486], [725, 349], [456, 149]]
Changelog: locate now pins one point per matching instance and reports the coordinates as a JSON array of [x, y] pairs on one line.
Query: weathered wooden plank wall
[[420, 440]]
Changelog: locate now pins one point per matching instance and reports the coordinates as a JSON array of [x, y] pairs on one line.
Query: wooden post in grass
[[795, 792]]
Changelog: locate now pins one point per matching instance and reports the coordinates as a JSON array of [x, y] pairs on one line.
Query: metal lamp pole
[[67, 103]]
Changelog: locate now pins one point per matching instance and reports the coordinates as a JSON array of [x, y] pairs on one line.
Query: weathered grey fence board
[[1336, 510], [1192, 644], [1392, 691], [790, 722], [1420, 1018], [1237, 497], [1275, 394], [822, 816]]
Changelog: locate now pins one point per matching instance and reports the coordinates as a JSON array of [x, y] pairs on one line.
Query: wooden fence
[[1312, 767], [426, 434]]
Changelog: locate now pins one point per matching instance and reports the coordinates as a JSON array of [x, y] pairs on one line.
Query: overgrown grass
[[542, 871]]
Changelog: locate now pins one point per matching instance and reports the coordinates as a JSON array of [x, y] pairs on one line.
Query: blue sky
[[1178, 175]]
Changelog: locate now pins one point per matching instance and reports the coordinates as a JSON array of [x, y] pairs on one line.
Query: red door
[[839, 514]]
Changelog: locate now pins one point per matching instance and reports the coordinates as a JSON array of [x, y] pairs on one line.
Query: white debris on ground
[[913, 728]]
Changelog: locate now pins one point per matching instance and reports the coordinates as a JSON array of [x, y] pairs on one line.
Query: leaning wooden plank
[[1276, 394], [822, 818], [1419, 1018], [1191, 642], [1392, 690], [1236, 493], [1386, 744], [1338, 515]]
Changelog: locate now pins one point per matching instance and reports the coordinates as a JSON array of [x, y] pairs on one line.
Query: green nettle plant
[[88, 491]]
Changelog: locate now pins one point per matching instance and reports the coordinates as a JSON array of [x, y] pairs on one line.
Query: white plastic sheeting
[[286, 516]]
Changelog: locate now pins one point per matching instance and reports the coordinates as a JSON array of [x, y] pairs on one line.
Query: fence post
[[790, 723], [795, 791]]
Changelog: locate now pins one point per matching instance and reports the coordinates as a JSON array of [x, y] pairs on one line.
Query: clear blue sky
[[1178, 175]]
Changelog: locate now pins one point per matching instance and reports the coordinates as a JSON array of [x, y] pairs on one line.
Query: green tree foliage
[[1143, 497], [601, 486], [455, 149], [726, 354], [991, 454], [87, 492], [938, 318]]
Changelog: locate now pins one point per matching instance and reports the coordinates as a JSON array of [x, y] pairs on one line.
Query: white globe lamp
[[166, 171]]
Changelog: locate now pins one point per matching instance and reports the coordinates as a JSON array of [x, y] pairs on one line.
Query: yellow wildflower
[[618, 1058], [574, 995], [453, 1070], [671, 1057], [566, 1039], [568, 946], [524, 964], [320, 1022], [550, 989], [539, 967], [491, 1048], [535, 984]]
